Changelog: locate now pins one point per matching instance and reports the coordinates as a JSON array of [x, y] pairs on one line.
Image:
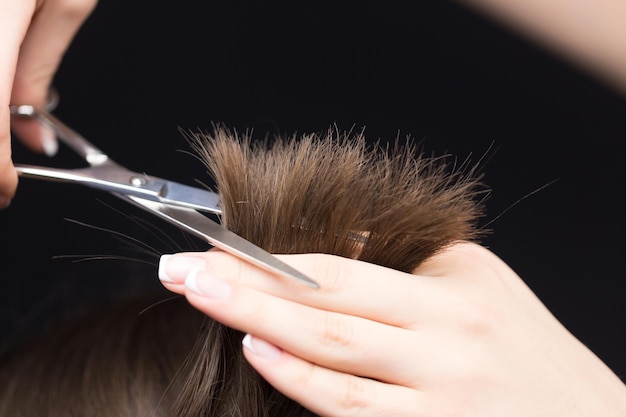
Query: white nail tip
[[162, 274], [50, 144], [247, 342]]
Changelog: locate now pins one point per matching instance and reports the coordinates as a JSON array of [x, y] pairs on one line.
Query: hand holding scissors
[[176, 203], [33, 36]]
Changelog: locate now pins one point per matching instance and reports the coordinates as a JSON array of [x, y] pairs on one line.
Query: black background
[[140, 69]]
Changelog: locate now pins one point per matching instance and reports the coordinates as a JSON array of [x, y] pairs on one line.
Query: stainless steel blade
[[203, 227]]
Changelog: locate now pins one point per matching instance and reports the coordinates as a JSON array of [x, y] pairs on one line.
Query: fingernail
[[49, 142], [260, 347], [175, 268], [206, 285], [4, 202]]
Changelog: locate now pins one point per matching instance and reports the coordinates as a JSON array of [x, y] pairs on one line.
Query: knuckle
[[336, 331], [334, 273], [328, 271], [353, 399], [477, 318], [476, 257]]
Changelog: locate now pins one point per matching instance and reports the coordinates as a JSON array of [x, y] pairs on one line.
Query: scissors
[[176, 203]]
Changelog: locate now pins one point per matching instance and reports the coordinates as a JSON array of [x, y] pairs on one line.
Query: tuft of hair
[[331, 193]]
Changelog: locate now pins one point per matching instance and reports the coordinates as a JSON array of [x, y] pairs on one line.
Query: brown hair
[[116, 362], [327, 193], [332, 194]]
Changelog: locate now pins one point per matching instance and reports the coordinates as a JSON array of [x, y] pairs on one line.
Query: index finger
[[346, 286]]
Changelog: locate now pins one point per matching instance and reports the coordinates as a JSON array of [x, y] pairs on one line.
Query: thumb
[[8, 175]]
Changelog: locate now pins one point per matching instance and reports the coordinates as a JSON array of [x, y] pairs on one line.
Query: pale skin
[[34, 34], [462, 336], [589, 33]]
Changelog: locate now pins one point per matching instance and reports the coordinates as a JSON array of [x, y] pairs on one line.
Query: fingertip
[[174, 268], [162, 272], [8, 182], [36, 136], [261, 348], [169, 283], [4, 202], [207, 286], [49, 142]]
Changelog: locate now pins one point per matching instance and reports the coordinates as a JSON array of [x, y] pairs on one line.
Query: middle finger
[[333, 340]]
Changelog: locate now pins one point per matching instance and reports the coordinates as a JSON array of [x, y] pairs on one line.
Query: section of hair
[[329, 194], [140, 358], [332, 194], [120, 361], [217, 380]]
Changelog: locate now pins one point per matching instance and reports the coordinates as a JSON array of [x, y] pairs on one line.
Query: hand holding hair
[[33, 37], [461, 335]]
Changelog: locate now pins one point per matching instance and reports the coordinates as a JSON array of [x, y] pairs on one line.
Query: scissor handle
[[69, 137]]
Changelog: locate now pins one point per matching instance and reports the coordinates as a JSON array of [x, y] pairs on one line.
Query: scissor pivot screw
[[138, 181]]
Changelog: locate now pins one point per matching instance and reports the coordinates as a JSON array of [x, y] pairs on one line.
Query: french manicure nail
[[175, 268], [49, 142], [206, 285], [260, 347]]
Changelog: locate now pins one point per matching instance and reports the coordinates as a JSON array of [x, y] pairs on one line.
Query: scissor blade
[[177, 194], [114, 178], [196, 223]]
